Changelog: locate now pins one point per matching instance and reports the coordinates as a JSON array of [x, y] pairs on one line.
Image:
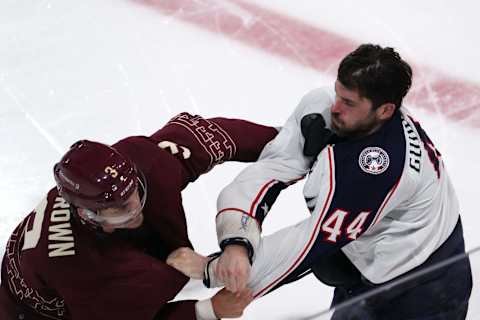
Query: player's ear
[[385, 111]]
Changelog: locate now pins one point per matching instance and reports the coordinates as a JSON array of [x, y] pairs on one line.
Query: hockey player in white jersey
[[381, 202]]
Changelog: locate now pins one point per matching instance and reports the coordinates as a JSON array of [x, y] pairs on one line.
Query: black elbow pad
[[316, 135]]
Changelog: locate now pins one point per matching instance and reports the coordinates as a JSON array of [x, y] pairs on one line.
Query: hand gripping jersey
[[58, 268], [385, 200]]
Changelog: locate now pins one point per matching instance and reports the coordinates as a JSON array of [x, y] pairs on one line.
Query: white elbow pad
[[236, 224]]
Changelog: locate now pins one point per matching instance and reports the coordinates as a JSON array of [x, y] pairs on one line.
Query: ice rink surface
[[107, 69]]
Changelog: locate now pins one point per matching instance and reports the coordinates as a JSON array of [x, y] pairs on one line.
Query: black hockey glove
[[316, 135]]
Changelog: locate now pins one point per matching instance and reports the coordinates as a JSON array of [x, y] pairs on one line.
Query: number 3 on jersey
[[174, 148], [333, 225]]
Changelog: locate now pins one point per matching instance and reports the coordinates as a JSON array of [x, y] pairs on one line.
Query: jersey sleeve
[[201, 143], [355, 185], [244, 203]]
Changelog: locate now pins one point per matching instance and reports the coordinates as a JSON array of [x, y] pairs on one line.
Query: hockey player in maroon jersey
[[95, 247]]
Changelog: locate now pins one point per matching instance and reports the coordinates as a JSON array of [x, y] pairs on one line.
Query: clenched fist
[[233, 268], [230, 305]]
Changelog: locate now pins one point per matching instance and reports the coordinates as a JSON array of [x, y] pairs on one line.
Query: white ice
[[108, 69]]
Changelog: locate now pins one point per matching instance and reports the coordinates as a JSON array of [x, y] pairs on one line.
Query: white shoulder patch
[[374, 160]]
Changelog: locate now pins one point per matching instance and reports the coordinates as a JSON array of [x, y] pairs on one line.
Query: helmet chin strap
[[85, 222]]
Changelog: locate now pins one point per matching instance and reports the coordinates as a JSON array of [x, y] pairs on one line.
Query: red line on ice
[[318, 49]]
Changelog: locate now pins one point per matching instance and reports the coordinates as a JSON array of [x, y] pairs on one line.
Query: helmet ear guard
[[95, 176]]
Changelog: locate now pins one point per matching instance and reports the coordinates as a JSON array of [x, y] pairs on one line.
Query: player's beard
[[359, 130]]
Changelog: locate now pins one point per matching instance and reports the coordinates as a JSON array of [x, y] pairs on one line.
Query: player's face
[[352, 114], [128, 216]]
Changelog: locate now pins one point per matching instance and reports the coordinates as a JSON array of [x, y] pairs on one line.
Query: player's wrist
[[236, 249], [204, 310], [238, 242]]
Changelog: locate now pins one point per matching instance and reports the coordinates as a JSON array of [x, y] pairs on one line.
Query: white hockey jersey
[[385, 200]]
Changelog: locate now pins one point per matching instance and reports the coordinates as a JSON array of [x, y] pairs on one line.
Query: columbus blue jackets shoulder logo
[[374, 160]]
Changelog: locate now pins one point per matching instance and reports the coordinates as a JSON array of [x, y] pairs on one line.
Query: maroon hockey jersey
[[57, 268]]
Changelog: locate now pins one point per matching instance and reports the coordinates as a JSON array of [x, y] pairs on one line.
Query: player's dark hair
[[377, 73]]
